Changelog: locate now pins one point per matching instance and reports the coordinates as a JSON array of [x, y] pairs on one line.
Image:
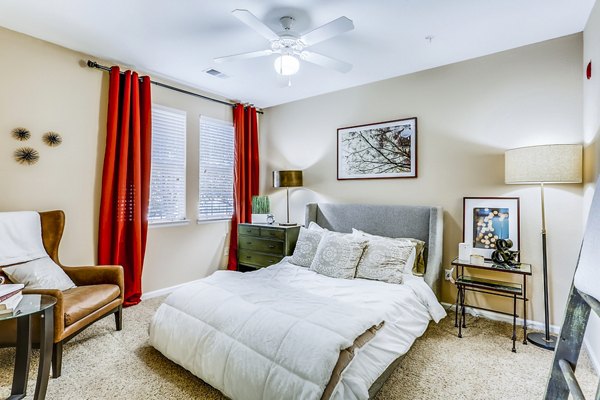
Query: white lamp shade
[[553, 163], [286, 64]]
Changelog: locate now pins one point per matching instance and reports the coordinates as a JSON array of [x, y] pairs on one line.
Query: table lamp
[[287, 179], [546, 164]]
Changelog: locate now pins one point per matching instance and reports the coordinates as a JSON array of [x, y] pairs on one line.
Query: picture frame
[[487, 219], [382, 150]]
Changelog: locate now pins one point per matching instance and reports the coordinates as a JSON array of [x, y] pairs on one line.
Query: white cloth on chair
[[20, 237], [587, 276]]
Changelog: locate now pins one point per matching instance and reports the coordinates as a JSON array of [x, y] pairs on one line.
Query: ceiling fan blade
[[253, 22], [244, 56], [324, 61], [327, 31]]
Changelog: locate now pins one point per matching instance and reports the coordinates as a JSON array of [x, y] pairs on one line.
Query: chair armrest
[[59, 319], [96, 275], [48, 292]]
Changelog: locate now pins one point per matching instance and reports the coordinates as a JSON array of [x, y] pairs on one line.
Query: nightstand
[[263, 245], [512, 290]]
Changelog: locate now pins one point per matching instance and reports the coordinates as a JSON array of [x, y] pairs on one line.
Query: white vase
[[259, 218]]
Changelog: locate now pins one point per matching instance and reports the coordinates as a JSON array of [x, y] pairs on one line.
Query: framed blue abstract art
[[488, 219]]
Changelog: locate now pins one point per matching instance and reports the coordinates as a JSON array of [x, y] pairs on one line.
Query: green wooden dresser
[[263, 245]]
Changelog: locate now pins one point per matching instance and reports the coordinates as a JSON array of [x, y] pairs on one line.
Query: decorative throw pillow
[[419, 266], [386, 260], [316, 227], [306, 247], [415, 265], [338, 255], [41, 273]]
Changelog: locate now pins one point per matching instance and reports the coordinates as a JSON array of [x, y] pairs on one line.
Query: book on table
[[9, 305], [10, 297], [6, 290]]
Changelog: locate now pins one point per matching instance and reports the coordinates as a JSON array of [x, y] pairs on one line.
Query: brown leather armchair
[[99, 293]]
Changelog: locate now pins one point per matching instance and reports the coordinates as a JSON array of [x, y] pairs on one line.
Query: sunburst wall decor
[[52, 139], [21, 134], [26, 155]]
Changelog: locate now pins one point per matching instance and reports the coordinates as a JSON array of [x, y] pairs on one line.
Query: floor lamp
[[287, 179], [547, 164]]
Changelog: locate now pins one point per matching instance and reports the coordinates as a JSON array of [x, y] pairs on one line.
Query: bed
[[281, 332]]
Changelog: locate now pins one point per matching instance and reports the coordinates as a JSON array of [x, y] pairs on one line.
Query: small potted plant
[[261, 208]]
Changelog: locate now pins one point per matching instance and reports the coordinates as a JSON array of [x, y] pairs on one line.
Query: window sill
[[168, 224], [212, 221]]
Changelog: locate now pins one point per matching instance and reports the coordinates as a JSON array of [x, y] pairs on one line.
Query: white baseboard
[[164, 291], [494, 316]]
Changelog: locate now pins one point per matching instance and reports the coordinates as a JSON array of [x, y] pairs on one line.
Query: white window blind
[[167, 182], [216, 169]]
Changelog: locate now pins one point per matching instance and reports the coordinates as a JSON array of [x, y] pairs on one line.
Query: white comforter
[[205, 328]]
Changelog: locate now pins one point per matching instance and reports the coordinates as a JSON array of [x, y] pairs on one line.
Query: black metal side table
[[30, 305], [512, 290]]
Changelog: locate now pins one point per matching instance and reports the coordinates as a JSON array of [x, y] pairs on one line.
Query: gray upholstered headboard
[[419, 222]]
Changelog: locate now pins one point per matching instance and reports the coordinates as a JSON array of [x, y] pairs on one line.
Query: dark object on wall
[[26, 155], [588, 70], [503, 255], [52, 139], [21, 134]]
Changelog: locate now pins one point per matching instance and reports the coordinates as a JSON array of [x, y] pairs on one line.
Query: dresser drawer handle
[[248, 242], [271, 246], [248, 256]]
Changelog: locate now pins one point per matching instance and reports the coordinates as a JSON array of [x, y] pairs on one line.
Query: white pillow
[[386, 260], [338, 255], [41, 273], [408, 262], [306, 246], [316, 227]]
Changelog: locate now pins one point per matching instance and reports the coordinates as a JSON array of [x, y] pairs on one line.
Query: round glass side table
[[31, 305]]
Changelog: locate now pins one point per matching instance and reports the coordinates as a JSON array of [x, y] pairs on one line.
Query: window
[[216, 169], [167, 181]]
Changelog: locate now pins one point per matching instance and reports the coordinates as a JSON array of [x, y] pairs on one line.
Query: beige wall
[[591, 132], [468, 114], [44, 87]]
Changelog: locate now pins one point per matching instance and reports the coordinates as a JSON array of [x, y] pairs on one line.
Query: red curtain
[[245, 176], [123, 223]]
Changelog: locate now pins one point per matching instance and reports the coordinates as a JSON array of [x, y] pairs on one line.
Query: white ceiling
[[179, 39]]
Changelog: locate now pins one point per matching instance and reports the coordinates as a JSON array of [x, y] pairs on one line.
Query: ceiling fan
[[290, 46]]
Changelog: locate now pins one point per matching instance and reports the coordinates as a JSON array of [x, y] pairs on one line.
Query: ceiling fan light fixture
[[287, 64]]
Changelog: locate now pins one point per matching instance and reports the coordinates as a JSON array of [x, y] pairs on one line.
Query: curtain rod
[[94, 64]]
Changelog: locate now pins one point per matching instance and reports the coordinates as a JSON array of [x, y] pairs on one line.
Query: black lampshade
[[287, 179]]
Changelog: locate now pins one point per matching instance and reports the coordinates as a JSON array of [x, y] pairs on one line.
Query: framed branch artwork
[[378, 151], [488, 219]]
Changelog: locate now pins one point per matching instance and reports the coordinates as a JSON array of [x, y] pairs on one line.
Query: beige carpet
[[104, 364]]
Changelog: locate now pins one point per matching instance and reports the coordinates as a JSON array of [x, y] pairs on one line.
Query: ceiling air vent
[[216, 73]]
